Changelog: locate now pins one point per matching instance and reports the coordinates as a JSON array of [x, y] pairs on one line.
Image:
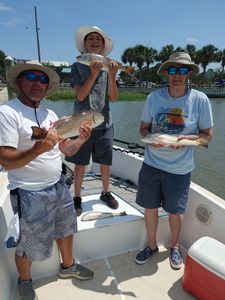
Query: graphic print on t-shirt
[[171, 121]]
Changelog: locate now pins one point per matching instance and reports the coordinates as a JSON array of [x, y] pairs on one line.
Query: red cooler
[[204, 273]]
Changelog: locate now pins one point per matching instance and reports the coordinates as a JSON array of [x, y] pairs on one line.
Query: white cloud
[[4, 7], [13, 18], [12, 22], [191, 40]]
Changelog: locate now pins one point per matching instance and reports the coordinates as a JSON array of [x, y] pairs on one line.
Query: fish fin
[[204, 145], [38, 133]]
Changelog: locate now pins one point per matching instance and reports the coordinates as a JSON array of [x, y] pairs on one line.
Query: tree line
[[142, 57]]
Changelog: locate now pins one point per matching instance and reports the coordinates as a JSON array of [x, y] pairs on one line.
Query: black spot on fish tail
[[205, 145]]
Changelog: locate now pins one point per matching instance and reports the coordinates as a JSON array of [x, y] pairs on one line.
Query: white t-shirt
[[16, 120], [186, 115]]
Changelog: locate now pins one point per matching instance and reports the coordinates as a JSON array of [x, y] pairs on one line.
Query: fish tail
[[128, 69], [37, 133], [202, 144]]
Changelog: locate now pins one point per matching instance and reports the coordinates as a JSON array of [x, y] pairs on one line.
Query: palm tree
[[191, 49], [128, 56], [205, 56], [2, 64], [150, 55], [140, 58], [220, 58], [165, 53]]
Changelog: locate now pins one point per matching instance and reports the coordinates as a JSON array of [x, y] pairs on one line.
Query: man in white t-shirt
[[165, 175], [38, 191]]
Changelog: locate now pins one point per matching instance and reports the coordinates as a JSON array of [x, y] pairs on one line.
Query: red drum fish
[[69, 126]]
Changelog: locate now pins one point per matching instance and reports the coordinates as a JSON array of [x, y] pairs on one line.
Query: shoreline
[[127, 93], [133, 93]]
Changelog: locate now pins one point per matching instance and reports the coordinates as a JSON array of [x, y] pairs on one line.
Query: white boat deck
[[117, 276]]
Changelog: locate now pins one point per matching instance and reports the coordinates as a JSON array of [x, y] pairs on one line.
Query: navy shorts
[[157, 188], [44, 215], [100, 146]]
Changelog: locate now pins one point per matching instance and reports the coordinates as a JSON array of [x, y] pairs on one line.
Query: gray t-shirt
[[98, 99]]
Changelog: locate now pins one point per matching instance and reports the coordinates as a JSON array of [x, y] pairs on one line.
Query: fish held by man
[[87, 58], [167, 140], [69, 126]]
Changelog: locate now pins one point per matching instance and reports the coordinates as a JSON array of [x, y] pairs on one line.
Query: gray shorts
[[157, 188], [100, 146], [44, 216]]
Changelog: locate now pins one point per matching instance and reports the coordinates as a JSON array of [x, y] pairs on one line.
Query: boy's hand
[[113, 67], [95, 67]]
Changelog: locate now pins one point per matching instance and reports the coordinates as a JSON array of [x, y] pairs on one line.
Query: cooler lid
[[209, 253]]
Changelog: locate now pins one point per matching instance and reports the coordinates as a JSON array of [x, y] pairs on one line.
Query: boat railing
[[131, 147]]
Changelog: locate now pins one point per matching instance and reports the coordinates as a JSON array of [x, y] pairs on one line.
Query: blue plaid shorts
[[44, 215]]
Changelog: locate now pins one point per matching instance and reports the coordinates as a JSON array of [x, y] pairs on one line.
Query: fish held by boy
[[87, 58], [167, 140], [69, 126]]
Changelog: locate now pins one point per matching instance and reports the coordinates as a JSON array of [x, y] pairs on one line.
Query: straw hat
[[177, 59], [83, 31], [17, 69]]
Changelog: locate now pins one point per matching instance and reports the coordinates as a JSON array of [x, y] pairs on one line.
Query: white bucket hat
[[177, 59], [17, 69], [83, 31]]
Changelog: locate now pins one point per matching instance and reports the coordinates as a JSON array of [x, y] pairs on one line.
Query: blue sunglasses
[[181, 70], [33, 77]]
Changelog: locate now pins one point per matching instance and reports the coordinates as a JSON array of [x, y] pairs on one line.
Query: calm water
[[210, 163]]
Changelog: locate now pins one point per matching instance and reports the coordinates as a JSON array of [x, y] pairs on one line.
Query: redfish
[[69, 126], [167, 140], [87, 58]]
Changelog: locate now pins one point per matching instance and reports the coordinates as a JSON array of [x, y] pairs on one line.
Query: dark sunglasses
[[33, 77], [181, 70]]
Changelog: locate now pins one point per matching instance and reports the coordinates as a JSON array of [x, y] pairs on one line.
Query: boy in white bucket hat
[[93, 89], [165, 175], [81, 35]]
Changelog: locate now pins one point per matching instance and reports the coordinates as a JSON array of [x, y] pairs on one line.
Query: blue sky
[[155, 23]]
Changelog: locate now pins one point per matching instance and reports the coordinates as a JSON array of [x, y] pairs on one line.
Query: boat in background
[[108, 246]]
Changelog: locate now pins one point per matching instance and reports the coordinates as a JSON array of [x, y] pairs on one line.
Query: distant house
[[56, 63], [65, 75], [50, 62], [61, 67]]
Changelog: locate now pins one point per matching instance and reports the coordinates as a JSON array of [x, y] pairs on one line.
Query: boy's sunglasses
[[181, 70], [33, 77]]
